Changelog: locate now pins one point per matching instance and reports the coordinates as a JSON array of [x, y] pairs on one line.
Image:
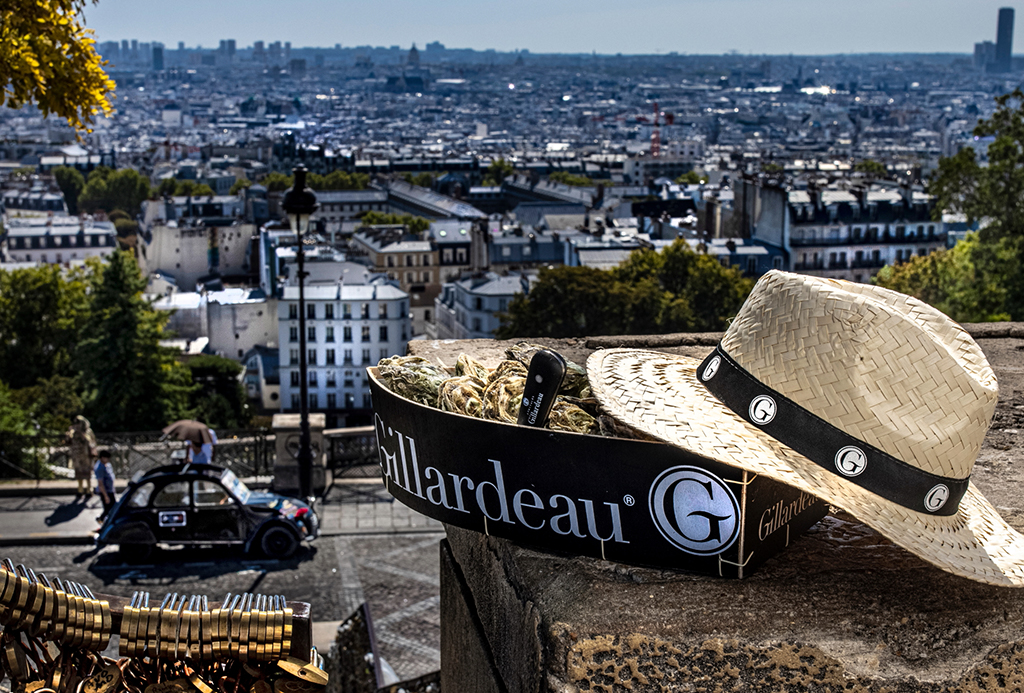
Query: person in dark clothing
[[103, 470]]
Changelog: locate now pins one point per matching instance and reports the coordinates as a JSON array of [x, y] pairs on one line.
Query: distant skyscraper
[[257, 52], [181, 45], [231, 48], [287, 50], [125, 47], [158, 57], [1004, 41], [984, 54]]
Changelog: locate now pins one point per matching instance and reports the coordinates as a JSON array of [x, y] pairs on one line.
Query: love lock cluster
[[54, 633]]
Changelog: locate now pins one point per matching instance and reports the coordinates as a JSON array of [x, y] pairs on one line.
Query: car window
[[209, 493], [173, 495], [140, 499]]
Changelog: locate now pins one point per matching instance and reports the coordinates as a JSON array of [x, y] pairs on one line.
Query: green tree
[[126, 227], [993, 193], [43, 311], [691, 178], [219, 399], [771, 167], [951, 280], [186, 188], [498, 171], [108, 190], [277, 182], [47, 56], [872, 168], [13, 418], [416, 225], [424, 180], [714, 292], [52, 403], [130, 381], [240, 185], [567, 178], [71, 182], [167, 187]]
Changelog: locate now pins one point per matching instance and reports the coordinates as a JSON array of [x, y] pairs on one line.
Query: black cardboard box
[[621, 500]]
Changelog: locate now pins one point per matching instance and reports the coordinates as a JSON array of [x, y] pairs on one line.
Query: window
[[384, 353], [311, 311], [349, 383], [210, 493], [331, 379], [314, 401], [478, 303], [506, 251], [476, 325], [295, 378], [382, 311], [391, 261], [329, 360], [328, 334], [527, 251], [329, 311], [348, 356], [346, 311], [312, 379], [173, 495], [751, 265], [347, 334], [366, 355], [293, 311], [831, 260], [777, 262], [364, 311], [460, 255], [366, 333], [383, 333], [293, 334], [332, 400], [408, 260], [311, 333], [293, 357], [140, 499], [410, 277], [311, 357], [446, 256], [295, 401], [426, 277], [426, 260]]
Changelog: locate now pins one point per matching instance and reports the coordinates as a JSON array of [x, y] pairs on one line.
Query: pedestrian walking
[[82, 442], [104, 473]]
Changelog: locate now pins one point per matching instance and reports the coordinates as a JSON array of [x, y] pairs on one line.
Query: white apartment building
[[348, 328], [57, 239]]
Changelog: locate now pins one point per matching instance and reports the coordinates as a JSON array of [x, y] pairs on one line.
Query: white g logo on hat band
[[936, 498], [712, 368], [851, 461], [762, 410]]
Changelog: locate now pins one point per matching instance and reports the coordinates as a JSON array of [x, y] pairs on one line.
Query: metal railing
[[247, 452]]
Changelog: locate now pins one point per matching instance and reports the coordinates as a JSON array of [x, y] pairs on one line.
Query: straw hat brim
[[658, 394]]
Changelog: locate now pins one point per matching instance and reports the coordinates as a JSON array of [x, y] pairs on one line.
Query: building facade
[[348, 329], [60, 240]]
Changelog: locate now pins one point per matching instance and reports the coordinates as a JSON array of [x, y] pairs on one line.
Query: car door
[[171, 509], [216, 513]]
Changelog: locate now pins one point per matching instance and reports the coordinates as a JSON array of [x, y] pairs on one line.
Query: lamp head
[[299, 202]]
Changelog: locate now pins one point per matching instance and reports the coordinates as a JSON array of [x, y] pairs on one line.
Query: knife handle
[[547, 370]]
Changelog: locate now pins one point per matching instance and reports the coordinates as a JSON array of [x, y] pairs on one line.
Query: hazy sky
[[564, 26]]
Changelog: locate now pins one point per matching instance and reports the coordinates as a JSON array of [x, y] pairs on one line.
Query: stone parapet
[[842, 609]]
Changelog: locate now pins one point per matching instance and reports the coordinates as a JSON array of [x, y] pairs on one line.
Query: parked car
[[204, 505]]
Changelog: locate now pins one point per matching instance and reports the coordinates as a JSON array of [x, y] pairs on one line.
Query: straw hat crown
[[883, 367]]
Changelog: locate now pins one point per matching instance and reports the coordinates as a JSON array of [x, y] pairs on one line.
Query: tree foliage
[[130, 381], [872, 168], [567, 178], [219, 399], [71, 183], [424, 180], [691, 178], [993, 194], [42, 316], [335, 180], [416, 225], [963, 282], [107, 190], [677, 290], [240, 185], [47, 56], [498, 171]]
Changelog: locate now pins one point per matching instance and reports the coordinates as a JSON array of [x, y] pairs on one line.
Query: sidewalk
[[45, 512]]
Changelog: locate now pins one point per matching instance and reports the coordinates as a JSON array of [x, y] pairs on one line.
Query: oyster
[[575, 383], [467, 365], [463, 394], [412, 377], [566, 416], [504, 394]]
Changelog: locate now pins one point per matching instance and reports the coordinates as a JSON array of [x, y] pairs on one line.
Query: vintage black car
[[204, 505]]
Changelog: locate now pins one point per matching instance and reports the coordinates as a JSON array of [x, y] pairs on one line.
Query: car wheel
[[135, 553], [278, 542]]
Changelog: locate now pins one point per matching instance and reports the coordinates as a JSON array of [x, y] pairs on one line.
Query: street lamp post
[[300, 203]]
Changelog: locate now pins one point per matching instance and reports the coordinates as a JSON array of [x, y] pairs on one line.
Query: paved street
[[372, 550]]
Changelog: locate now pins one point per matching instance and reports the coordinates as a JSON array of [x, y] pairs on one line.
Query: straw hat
[[864, 397]]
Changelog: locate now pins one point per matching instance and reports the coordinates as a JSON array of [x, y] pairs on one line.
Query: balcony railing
[[883, 239]]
